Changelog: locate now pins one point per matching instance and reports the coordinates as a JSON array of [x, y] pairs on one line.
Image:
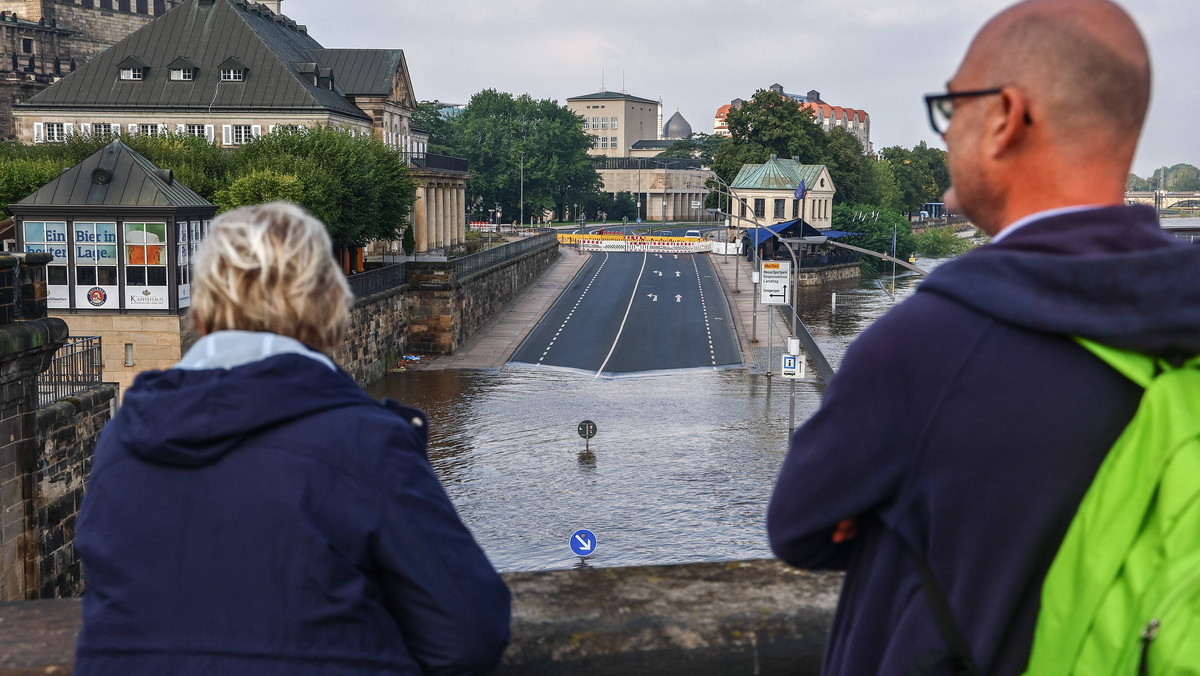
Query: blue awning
[[759, 235]]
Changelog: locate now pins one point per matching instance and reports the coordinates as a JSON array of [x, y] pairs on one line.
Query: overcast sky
[[880, 56]]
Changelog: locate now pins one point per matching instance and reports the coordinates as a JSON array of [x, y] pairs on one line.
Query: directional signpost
[[793, 367], [583, 543], [587, 430], [775, 278]]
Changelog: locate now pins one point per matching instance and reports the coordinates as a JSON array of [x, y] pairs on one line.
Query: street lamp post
[[522, 221]]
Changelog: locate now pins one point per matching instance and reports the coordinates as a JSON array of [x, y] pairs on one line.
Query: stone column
[[447, 215], [455, 210], [431, 217], [419, 221]]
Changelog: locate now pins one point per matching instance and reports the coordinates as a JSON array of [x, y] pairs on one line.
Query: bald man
[[966, 425]]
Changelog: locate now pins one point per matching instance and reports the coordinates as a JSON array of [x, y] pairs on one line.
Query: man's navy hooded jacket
[[255, 512], [966, 424]]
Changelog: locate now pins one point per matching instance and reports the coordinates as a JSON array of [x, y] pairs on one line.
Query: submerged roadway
[[631, 312]]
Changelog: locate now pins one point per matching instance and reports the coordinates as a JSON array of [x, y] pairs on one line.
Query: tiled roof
[[133, 181], [776, 174], [208, 33], [611, 96]]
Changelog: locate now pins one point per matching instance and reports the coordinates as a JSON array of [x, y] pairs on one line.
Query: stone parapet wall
[[705, 619], [66, 436], [446, 311], [831, 273], [377, 337], [157, 341]]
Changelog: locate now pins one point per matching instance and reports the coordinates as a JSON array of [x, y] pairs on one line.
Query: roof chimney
[[272, 5]]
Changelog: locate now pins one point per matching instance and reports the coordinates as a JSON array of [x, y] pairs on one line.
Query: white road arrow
[[584, 543], [658, 272], [678, 298], [676, 273], [653, 298]]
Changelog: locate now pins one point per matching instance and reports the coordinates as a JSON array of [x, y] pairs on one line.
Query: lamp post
[[522, 221]]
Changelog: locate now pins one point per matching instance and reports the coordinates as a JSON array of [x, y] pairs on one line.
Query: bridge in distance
[[630, 312]]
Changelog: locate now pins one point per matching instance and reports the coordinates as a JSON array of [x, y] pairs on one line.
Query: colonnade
[[440, 213]]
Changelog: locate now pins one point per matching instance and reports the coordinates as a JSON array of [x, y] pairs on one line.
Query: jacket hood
[[1109, 274], [190, 416]]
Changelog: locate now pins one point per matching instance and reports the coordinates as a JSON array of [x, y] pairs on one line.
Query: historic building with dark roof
[[232, 70], [43, 40]]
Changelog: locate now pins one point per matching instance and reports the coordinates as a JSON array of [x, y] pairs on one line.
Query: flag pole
[[893, 262]]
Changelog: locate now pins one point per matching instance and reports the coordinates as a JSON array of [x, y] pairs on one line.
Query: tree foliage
[[493, 132], [355, 184], [699, 146], [921, 174], [769, 124], [428, 118], [940, 242], [875, 226]]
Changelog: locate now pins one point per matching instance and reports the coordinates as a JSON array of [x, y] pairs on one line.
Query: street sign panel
[[776, 275], [587, 429], [583, 543], [696, 205], [792, 367]]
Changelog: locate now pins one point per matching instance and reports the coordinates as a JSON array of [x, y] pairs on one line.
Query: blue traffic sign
[[639, 220], [583, 543]]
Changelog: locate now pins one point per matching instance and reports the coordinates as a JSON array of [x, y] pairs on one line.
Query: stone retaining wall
[[66, 434], [378, 335]]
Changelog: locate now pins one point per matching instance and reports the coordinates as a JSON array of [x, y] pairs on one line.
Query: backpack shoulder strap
[[1139, 368]]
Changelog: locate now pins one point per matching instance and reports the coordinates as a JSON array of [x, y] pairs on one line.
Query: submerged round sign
[[583, 542]]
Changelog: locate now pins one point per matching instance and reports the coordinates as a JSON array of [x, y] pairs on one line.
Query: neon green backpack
[[1123, 593]]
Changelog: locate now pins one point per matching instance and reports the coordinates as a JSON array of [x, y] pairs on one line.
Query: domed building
[[676, 128]]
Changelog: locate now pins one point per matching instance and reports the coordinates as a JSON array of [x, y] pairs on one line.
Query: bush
[[941, 242]]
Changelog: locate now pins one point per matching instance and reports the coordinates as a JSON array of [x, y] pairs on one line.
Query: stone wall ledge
[[65, 409], [741, 617]]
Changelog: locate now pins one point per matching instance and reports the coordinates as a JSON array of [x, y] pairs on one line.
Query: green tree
[[940, 242], [1137, 184], [428, 118], [499, 134], [259, 186], [921, 174], [875, 226], [770, 124], [700, 146], [21, 177], [1183, 178], [886, 192], [849, 168]]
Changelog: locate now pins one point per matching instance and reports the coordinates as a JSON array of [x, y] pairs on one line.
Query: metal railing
[[76, 366], [647, 163], [376, 281], [435, 161], [468, 265]]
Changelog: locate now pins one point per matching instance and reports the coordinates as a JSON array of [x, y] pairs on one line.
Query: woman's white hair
[[270, 267]]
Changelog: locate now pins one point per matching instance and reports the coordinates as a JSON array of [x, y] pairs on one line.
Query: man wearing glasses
[[964, 427]]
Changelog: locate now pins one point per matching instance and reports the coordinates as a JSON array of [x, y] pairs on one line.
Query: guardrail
[[375, 281], [468, 265], [78, 365]]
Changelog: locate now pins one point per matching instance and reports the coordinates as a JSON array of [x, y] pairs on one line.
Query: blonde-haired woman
[[253, 511]]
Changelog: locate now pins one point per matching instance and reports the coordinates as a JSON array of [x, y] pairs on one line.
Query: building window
[[613, 124], [795, 208], [103, 130], [232, 75], [145, 254], [595, 123], [195, 130], [585, 124], [147, 130], [51, 238], [603, 141], [55, 132], [95, 255], [131, 74], [27, 45], [780, 205], [612, 142], [760, 207], [242, 133], [182, 74], [604, 123]]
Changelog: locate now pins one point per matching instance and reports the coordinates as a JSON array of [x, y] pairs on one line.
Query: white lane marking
[[632, 296], [572, 312], [704, 307]]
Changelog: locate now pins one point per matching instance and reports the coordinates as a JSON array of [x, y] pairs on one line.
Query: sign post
[[587, 430], [775, 278]]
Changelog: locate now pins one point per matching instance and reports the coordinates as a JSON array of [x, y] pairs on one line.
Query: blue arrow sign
[[583, 543]]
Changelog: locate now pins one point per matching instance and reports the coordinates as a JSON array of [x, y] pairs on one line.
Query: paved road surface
[[630, 312]]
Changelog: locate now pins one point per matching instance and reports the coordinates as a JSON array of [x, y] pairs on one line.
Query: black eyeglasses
[[941, 106]]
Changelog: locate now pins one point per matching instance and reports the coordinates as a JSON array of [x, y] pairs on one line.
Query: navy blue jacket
[[966, 424], [271, 518]]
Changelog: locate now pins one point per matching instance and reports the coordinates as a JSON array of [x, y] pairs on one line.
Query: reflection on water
[[680, 470]]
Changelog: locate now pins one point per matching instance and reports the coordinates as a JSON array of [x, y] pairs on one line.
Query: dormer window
[[132, 69], [233, 70], [182, 70]]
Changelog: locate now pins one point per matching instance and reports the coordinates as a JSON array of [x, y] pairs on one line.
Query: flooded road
[[680, 470]]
